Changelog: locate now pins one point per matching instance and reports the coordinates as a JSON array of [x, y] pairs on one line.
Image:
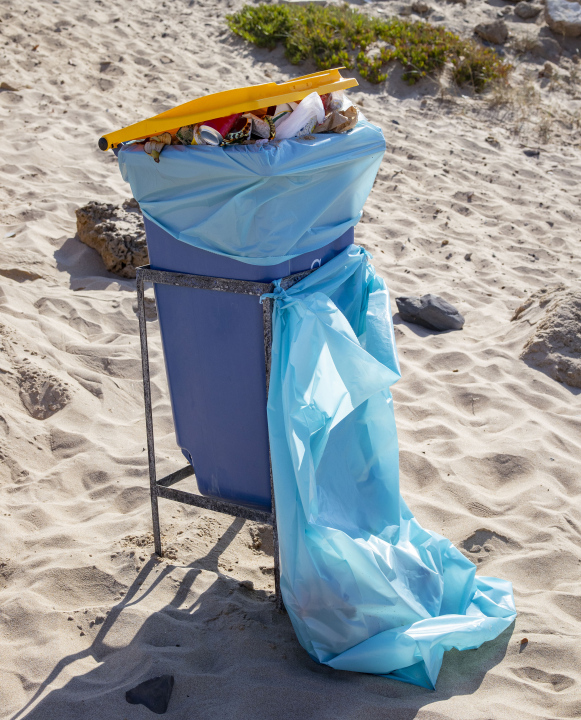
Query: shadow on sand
[[221, 671], [86, 269]]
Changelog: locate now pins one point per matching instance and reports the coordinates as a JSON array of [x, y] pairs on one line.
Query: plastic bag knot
[[279, 293]]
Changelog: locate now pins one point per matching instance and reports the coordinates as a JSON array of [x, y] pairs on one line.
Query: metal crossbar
[[163, 487]]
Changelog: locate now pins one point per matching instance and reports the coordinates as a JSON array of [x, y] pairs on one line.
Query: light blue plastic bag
[[366, 587], [258, 204]]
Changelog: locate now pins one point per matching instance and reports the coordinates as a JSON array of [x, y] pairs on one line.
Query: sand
[[489, 445]]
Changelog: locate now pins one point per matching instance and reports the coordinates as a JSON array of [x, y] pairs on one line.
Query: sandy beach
[[490, 445]]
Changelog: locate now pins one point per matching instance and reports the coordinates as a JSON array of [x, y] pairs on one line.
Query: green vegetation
[[337, 35]]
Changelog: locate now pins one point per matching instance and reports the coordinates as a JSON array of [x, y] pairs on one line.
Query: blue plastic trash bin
[[213, 345]]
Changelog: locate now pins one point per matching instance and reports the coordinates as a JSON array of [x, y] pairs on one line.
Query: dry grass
[[520, 109]]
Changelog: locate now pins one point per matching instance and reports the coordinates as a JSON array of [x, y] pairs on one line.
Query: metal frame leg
[[267, 306], [148, 414]]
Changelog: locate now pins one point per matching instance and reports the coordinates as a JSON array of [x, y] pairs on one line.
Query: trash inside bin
[[252, 211]]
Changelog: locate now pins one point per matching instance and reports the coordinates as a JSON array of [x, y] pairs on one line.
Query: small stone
[[526, 10], [549, 70], [8, 87], [468, 257], [491, 140], [529, 152], [248, 584], [563, 17], [445, 242], [493, 32], [430, 311], [155, 694]]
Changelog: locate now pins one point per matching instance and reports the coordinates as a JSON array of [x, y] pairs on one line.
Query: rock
[[547, 48], [493, 32], [420, 7], [563, 17], [468, 257], [526, 10], [117, 233], [531, 153], [6, 86], [549, 70], [154, 694], [555, 345], [430, 311]]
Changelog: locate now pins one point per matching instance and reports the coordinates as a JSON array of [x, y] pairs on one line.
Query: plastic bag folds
[[366, 587]]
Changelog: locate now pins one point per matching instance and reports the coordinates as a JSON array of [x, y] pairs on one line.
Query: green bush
[[337, 35]]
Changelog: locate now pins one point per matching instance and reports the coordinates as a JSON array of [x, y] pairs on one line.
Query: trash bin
[[213, 346], [255, 212]]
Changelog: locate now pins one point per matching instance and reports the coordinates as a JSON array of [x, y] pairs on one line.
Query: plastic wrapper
[[307, 115], [365, 586], [156, 144], [339, 121]]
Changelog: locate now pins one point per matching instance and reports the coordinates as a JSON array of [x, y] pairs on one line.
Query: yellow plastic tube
[[228, 102]]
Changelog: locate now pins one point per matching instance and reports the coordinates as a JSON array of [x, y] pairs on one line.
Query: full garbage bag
[[365, 586], [262, 204]]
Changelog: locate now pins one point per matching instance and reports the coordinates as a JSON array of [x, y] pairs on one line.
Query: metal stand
[[162, 488]]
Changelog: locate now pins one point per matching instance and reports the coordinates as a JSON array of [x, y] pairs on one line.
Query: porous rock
[[493, 32], [563, 17], [155, 693], [117, 233], [555, 345], [430, 311], [526, 10]]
